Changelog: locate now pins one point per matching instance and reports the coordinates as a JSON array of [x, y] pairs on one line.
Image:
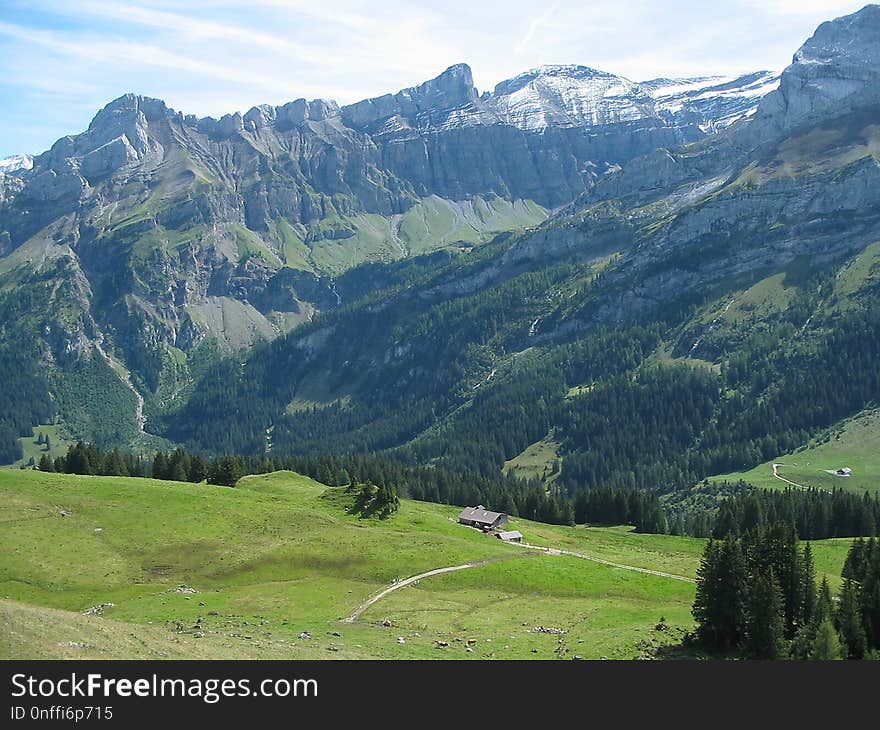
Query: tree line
[[515, 497], [24, 399], [860, 599], [757, 597], [815, 514]]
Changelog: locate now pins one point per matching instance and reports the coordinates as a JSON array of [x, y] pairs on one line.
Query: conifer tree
[[721, 586], [114, 465], [178, 466], [705, 608], [854, 565], [226, 470], [160, 466], [808, 586], [765, 622], [826, 645], [824, 608], [848, 621], [198, 470], [870, 594], [77, 461]]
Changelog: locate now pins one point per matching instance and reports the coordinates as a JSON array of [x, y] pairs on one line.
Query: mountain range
[[648, 283]]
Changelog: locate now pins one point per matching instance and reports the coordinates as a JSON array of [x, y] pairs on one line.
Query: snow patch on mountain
[[578, 96], [568, 96], [16, 163], [721, 100], [561, 96]]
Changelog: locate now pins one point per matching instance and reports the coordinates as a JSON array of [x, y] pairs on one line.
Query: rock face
[[800, 180], [429, 102], [11, 168], [836, 70], [171, 235], [546, 134]]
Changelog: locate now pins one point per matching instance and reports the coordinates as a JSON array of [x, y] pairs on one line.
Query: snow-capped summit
[[720, 100], [16, 163], [562, 96], [568, 96]]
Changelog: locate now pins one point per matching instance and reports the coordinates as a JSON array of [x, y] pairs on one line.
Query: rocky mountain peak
[[130, 106], [557, 71], [569, 96], [299, 111], [835, 71], [451, 89], [455, 86]]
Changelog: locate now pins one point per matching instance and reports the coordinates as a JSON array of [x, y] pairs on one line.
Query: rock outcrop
[[188, 235], [835, 71]]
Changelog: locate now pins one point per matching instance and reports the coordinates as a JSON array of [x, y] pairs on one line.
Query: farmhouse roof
[[478, 514], [510, 535]]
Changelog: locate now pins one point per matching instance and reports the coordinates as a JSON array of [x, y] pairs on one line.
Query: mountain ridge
[[186, 241], [544, 332]]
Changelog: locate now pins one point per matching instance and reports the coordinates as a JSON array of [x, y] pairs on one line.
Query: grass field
[[269, 568], [58, 444], [855, 444], [540, 460]]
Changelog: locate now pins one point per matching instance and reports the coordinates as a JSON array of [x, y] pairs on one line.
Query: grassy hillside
[[269, 569], [540, 460], [339, 243], [58, 444], [854, 443]]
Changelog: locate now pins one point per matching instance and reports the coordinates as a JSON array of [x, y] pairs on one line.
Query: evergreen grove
[[757, 598], [515, 497], [815, 514]]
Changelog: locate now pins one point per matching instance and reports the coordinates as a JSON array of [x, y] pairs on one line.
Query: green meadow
[[270, 568], [854, 443]]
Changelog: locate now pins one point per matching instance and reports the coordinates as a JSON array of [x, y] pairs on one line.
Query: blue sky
[[61, 61]]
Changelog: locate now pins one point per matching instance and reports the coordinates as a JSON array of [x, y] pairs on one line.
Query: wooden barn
[[482, 518]]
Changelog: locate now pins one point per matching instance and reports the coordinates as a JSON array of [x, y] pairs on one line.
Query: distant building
[[510, 536], [480, 517], [844, 472]]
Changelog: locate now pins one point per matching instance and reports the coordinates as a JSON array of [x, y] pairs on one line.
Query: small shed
[[510, 536], [845, 472], [482, 518]]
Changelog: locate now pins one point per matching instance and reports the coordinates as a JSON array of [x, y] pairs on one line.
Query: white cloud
[[128, 53], [811, 8], [196, 29], [538, 23]]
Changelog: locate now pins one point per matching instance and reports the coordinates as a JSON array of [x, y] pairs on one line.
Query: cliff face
[[800, 180], [166, 239], [546, 134], [835, 71], [230, 229]]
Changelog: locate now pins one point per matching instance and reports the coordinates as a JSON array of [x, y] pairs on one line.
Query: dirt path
[[787, 481], [355, 615], [572, 553]]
